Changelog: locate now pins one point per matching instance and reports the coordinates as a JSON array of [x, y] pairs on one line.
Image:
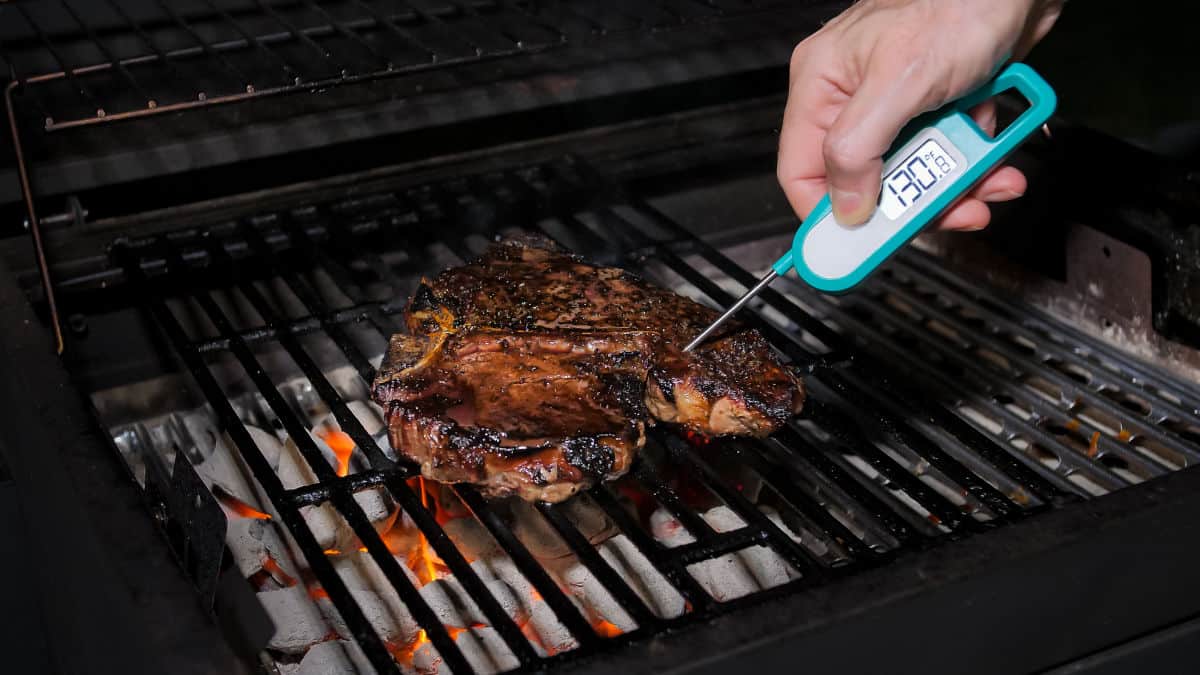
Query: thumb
[[868, 124]]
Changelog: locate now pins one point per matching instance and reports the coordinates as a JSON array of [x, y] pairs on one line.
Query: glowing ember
[[607, 630], [1124, 435], [1094, 445], [317, 593], [276, 571], [236, 505], [332, 551], [697, 440], [342, 446]]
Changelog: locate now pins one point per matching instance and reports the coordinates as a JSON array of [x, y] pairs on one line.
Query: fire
[[421, 558], [276, 571], [1094, 445], [607, 630], [342, 446], [332, 551], [236, 505]]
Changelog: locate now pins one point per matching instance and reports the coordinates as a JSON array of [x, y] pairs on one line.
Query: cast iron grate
[[84, 63], [934, 408]]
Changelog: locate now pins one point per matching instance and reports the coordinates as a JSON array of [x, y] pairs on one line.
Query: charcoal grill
[[970, 475]]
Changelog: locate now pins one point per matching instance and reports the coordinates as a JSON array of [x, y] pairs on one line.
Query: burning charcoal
[[327, 658], [483, 648], [584, 585], [298, 622], [654, 590], [667, 529], [764, 564], [360, 573], [439, 595], [257, 547], [724, 578], [803, 537], [471, 538], [398, 628], [543, 541], [223, 469], [368, 416], [551, 635], [203, 433]]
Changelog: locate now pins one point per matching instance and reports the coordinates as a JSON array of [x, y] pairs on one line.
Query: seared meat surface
[[532, 372]]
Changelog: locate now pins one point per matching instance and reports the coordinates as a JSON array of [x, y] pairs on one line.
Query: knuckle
[[840, 151]]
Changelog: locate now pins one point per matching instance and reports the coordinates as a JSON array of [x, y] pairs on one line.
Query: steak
[[530, 371]]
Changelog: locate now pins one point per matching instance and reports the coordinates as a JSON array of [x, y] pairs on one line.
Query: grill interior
[[89, 63], [936, 409]]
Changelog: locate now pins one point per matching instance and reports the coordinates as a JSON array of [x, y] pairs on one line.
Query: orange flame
[[342, 446], [1094, 445], [276, 571], [332, 551], [317, 593], [607, 630], [421, 558], [236, 505]]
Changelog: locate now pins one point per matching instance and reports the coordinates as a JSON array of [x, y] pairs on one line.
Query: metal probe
[[762, 283]]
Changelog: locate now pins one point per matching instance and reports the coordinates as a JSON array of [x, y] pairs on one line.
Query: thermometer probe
[[940, 156]]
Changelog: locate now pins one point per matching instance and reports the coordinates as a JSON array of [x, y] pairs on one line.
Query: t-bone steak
[[530, 371]]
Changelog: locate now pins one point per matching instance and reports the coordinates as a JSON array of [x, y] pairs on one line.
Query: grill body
[[977, 477]]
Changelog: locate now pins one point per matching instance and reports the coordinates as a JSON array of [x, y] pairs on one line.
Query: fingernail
[[847, 207]]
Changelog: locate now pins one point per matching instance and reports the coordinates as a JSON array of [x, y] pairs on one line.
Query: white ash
[[651, 586], [472, 539], [360, 573], [763, 563], [544, 542], [253, 543], [222, 469], [668, 530], [200, 428], [398, 628], [724, 578], [550, 634], [327, 658], [802, 537], [592, 594], [483, 649], [298, 622]]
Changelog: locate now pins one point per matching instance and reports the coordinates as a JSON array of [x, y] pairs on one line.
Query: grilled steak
[[532, 372]]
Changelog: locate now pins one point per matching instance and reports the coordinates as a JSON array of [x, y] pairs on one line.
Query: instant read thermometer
[[940, 156]]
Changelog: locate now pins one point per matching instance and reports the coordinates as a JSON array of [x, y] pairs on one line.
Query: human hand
[[856, 82]]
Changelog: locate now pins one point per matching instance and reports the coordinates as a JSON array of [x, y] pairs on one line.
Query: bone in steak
[[529, 371]]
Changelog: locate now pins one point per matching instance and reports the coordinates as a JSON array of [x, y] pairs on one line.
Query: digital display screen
[[906, 184]]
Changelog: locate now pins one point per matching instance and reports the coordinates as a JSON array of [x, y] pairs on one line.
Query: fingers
[[853, 150], [812, 106], [972, 213]]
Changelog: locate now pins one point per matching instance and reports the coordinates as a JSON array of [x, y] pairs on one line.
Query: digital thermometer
[[938, 158]]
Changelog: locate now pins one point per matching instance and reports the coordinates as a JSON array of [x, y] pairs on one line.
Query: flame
[[420, 559], [276, 571], [332, 551], [607, 630], [317, 593], [236, 505], [342, 446], [1124, 435], [1094, 445]]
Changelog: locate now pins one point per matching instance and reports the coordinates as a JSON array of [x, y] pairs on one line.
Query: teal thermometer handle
[[834, 259]]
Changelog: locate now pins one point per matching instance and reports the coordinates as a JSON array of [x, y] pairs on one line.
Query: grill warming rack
[[936, 410]]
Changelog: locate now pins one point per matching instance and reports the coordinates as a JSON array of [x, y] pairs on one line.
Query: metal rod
[[733, 309], [30, 212]]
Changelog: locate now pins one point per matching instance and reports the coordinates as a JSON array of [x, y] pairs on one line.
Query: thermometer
[[938, 158]]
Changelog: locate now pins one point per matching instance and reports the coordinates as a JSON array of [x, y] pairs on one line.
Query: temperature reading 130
[[913, 177]]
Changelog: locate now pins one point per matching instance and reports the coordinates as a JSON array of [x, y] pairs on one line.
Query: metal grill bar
[[806, 466], [266, 476]]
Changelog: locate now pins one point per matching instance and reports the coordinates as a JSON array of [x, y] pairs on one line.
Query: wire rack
[[937, 410], [86, 63]]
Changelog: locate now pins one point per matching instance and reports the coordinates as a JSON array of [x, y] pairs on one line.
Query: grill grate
[[89, 63], [927, 419]]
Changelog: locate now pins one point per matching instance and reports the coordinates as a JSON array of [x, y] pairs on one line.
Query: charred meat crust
[[530, 371]]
